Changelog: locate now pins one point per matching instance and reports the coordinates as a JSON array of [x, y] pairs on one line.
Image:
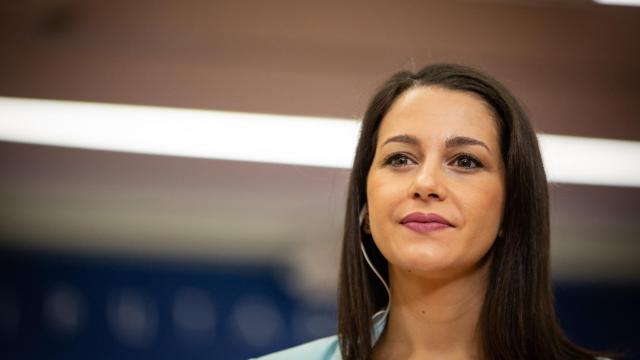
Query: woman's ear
[[364, 219], [366, 228]]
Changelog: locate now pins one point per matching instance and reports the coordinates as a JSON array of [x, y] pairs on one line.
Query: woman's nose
[[428, 183]]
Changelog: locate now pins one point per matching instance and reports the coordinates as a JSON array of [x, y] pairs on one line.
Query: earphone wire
[[384, 311]]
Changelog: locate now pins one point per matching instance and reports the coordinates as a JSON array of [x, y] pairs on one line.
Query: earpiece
[[384, 311]]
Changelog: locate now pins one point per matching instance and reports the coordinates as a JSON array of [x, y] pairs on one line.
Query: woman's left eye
[[467, 162]]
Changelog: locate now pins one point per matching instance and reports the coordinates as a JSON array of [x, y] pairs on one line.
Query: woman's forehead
[[439, 113]]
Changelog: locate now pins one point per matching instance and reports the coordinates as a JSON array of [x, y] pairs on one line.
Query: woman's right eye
[[398, 160]]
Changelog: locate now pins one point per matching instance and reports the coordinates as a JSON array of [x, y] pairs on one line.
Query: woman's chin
[[434, 266], [424, 265]]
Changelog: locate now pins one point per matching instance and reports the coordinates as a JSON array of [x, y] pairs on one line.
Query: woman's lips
[[420, 222]]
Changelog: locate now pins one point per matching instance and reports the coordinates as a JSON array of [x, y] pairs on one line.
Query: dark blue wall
[[69, 307]]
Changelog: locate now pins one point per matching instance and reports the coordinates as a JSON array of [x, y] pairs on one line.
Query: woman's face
[[438, 158]]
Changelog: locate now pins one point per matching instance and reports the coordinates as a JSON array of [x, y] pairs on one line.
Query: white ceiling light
[[580, 160], [224, 135], [294, 140], [619, 2]]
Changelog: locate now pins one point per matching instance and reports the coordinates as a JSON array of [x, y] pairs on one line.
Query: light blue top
[[327, 348]]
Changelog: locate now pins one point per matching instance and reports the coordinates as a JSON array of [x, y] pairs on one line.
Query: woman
[[448, 206]]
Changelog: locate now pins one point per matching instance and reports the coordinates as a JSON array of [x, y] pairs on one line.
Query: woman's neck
[[433, 318]]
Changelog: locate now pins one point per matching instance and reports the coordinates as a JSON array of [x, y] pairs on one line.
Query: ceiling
[[575, 65]]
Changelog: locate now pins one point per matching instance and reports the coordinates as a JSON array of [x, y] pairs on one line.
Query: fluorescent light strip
[[619, 2], [590, 161], [294, 140], [180, 132]]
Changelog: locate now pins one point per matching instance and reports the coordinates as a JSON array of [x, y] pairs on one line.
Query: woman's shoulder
[[321, 349]]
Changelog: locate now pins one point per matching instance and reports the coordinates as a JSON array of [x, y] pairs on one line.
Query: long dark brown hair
[[518, 319]]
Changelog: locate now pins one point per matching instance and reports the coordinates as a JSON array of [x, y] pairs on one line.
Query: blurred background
[[117, 255]]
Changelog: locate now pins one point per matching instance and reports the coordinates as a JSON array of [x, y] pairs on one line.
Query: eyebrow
[[406, 139], [449, 143]]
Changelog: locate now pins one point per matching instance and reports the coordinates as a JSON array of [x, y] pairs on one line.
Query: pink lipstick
[[422, 223]]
